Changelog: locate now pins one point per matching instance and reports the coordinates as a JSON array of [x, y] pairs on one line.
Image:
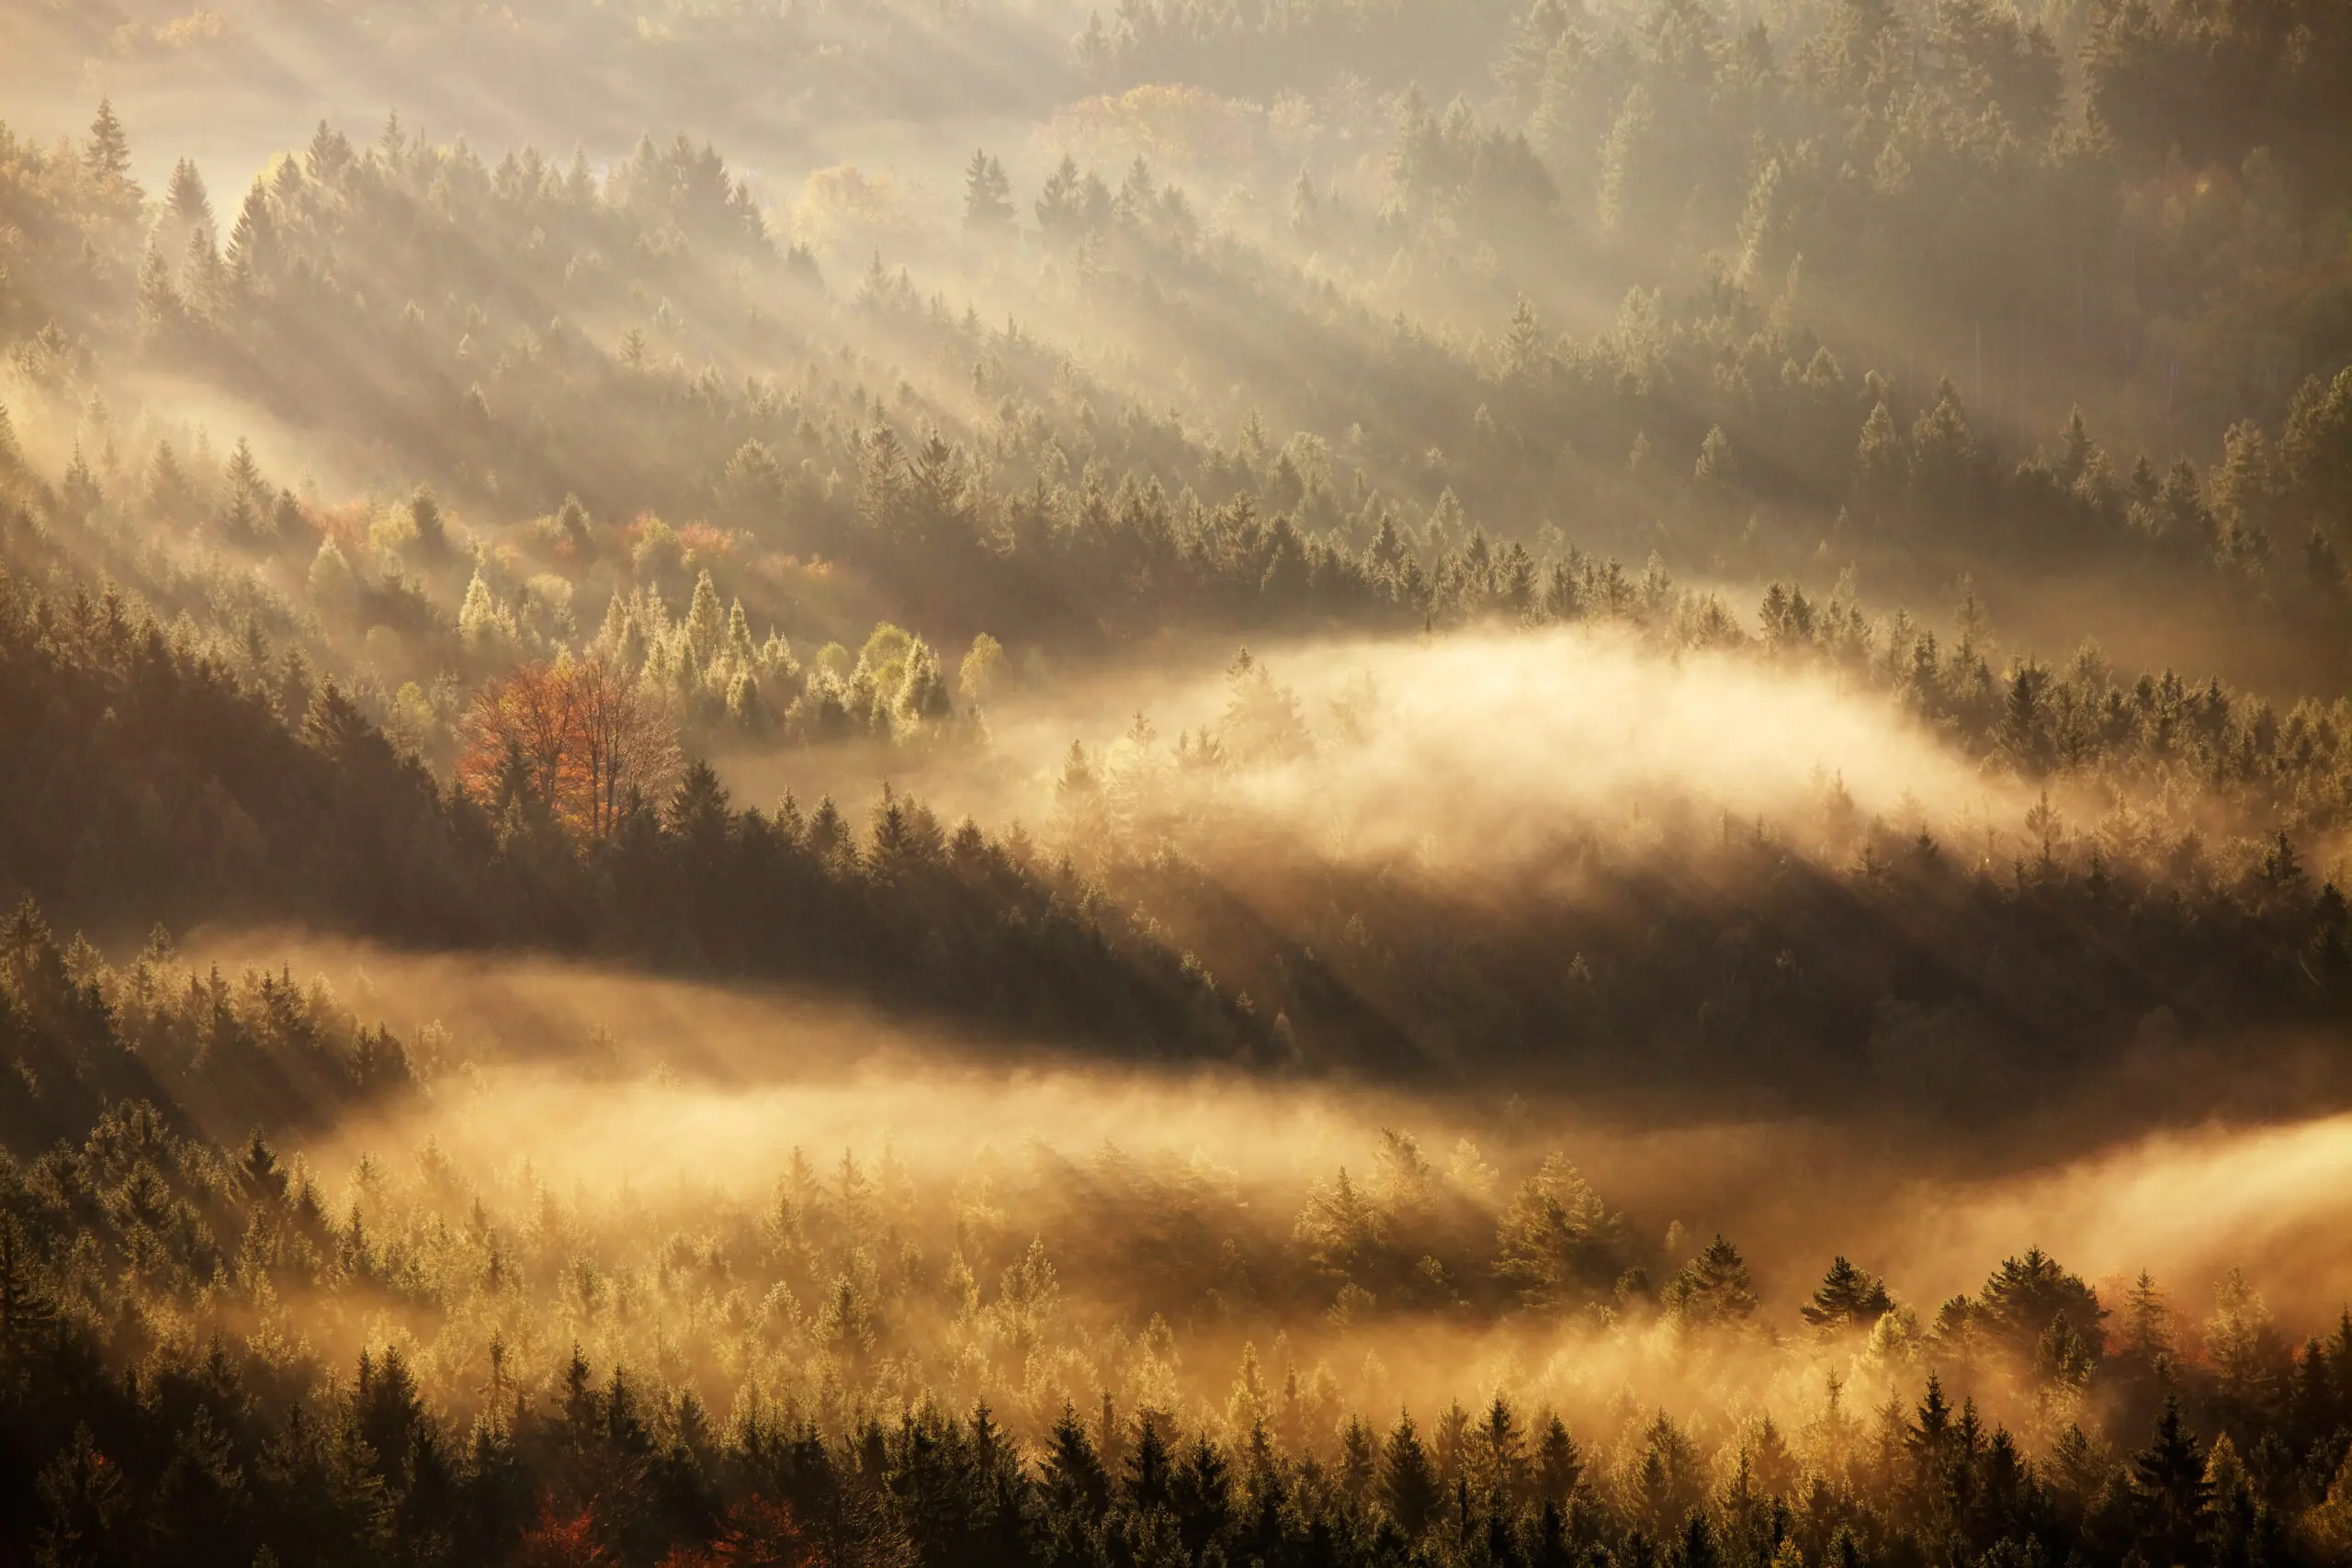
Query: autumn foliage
[[573, 736], [563, 1541], [753, 1533]]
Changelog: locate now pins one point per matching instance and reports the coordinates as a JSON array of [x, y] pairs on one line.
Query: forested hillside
[[869, 781]]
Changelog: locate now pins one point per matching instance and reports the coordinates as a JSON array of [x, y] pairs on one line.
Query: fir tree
[[107, 155], [988, 197]]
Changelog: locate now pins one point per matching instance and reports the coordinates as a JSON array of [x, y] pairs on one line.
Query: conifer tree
[[1847, 1298], [107, 155], [988, 197], [2172, 1493], [1713, 1290], [1559, 1466], [159, 297], [253, 240], [425, 517], [1074, 1480], [1410, 1491], [188, 201]]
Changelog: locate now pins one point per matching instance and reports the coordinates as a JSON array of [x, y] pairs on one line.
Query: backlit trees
[[576, 736]]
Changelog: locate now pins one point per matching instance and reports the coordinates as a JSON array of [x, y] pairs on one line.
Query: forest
[[1185, 782]]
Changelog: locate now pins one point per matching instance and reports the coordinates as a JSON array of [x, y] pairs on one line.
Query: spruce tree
[[2169, 1478], [1409, 1486], [107, 155], [1847, 1298], [988, 197], [1074, 1480], [190, 202]]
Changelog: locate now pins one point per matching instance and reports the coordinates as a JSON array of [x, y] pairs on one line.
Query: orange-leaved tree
[[560, 1541], [575, 734], [755, 1533]]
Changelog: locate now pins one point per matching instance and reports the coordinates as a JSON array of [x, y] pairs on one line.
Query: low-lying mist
[[608, 1088], [1469, 752]]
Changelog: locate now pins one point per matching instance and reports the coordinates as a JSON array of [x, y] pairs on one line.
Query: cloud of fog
[[1469, 750], [628, 1144], [1486, 745], [603, 1080], [2185, 1205]]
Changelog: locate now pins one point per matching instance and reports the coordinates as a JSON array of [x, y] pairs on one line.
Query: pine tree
[[1074, 1480], [881, 478], [1697, 1547], [1359, 1460], [203, 280], [705, 622], [1882, 462], [1847, 1298], [1559, 1467], [387, 1409], [107, 155], [2062, 1358], [2027, 1293], [80, 491], [988, 195], [201, 1502], [253, 240], [243, 476], [258, 1169], [159, 297], [1410, 1488], [27, 1312], [1668, 1480], [2076, 449], [1091, 51], [1201, 1496], [1148, 1469], [699, 813], [2243, 1347], [742, 705], [1626, 159], [329, 155], [1520, 70], [1557, 1242], [484, 628], [432, 528], [1716, 468], [1929, 1439], [171, 495], [923, 692], [1713, 1290], [2169, 1477], [84, 1495], [190, 202], [1526, 353], [1502, 1449], [1068, 207]]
